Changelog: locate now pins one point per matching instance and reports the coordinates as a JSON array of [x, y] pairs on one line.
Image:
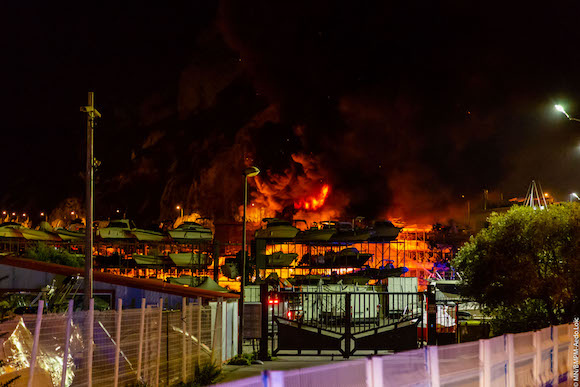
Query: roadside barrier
[[536, 358]]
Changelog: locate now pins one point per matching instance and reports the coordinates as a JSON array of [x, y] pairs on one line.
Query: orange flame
[[313, 203]]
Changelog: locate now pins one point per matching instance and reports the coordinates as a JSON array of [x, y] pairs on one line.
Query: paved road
[[234, 372]]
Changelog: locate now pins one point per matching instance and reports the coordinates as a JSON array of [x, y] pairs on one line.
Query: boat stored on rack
[[191, 231]]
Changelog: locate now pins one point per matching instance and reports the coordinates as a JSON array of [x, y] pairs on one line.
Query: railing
[[537, 358], [340, 316], [328, 310]]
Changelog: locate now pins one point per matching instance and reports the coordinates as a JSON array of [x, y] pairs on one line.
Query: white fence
[[148, 345], [525, 359]]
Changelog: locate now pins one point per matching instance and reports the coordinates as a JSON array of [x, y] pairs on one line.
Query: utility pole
[[248, 172], [92, 113], [243, 283]]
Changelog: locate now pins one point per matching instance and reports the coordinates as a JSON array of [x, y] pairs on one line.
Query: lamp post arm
[[573, 119]]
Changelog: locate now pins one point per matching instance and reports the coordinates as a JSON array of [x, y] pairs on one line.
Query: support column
[[431, 316], [347, 327], [264, 323]]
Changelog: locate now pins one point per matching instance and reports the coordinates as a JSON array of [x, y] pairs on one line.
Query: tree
[[525, 267], [66, 211]]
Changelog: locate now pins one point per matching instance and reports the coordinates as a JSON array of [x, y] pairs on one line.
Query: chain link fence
[[144, 346]]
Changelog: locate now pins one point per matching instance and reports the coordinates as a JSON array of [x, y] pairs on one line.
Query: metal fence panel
[[348, 374], [459, 363], [405, 369], [524, 359]]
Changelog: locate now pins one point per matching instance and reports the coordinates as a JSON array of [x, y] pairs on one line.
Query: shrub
[[205, 375], [243, 359], [51, 254]]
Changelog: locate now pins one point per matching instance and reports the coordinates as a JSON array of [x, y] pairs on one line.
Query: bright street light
[[560, 108], [180, 210]]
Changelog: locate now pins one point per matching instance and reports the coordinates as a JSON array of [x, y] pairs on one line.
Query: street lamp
[[248, 172], [180, 211], [560, 108], [574, 194]]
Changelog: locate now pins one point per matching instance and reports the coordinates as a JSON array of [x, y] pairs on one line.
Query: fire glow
[[313, 203]]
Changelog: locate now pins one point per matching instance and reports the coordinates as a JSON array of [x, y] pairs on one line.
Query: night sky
[[408, 104]]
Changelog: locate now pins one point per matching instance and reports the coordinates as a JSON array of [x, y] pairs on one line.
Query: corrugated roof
[[138, 283]]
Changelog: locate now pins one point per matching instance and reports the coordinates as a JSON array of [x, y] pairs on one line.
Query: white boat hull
[[9, 232], [37, 235], [273, 233], [148, 236], [68, 236], [189, 259], [114, 233], [190, 235], [147, 260]]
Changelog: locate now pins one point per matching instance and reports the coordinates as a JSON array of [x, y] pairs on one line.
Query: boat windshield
[[117, 225], [278, 224], [189, 225]]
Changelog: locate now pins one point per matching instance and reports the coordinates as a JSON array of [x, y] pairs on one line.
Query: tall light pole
[[180, 211], [248, 172], [92, 113], [560, 108]]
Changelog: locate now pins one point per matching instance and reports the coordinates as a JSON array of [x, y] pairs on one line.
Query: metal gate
[[334, 323]]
